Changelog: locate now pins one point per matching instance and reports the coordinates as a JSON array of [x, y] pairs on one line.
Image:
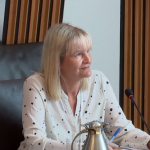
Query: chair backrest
[[18, 60], [11, 96]]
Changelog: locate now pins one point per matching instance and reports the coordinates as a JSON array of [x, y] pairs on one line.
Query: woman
[[66, 94]]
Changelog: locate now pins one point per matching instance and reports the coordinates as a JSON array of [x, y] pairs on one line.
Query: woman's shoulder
[[98, 76], [35, 76], [35, 79], [97, 73]]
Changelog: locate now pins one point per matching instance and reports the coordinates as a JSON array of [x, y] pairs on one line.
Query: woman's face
[[76, 66]]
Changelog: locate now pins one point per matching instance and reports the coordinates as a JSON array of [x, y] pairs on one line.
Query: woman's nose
[[87, 57]]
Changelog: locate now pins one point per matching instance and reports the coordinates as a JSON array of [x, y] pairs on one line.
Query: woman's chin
[[87, 74]]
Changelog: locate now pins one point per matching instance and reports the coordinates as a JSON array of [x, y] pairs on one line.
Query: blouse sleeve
[[33, 117], [129, 135]]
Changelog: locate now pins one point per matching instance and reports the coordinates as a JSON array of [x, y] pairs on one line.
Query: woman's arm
[[129, 135], [33, 117]]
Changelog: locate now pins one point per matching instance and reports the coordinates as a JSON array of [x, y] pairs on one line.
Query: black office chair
[[16, 63], [11, 97], [18, 60]]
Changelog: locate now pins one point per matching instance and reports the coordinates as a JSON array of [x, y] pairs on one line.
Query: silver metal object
[[95, 139]]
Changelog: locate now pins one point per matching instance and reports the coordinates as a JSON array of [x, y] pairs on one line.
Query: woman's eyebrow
[[80, 51]]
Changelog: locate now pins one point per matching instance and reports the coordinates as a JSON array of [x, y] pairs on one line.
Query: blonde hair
[[61, 39]]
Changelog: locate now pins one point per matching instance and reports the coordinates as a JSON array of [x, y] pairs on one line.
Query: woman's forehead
[[80, 44]]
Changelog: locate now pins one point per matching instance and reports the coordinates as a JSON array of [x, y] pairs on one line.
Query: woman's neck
[[71, 88]]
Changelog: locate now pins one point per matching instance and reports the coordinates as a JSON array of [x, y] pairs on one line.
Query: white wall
[[101, 19], [2, 10]]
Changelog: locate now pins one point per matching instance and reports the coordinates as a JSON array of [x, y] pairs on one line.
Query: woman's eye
[[78, 54]]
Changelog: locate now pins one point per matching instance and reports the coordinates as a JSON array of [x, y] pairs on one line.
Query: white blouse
[[47, 123]]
